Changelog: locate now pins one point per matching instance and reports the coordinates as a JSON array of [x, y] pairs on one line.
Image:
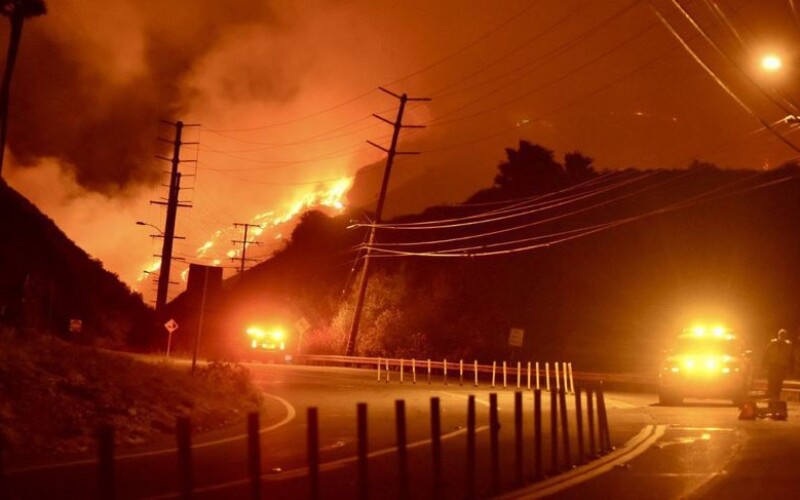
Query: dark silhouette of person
[[779, 361]]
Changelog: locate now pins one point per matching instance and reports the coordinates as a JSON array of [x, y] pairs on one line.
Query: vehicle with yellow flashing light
[[267, 343], [708, 363]]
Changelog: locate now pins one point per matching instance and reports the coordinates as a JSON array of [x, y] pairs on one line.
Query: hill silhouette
[[600, 268], [46, 281]]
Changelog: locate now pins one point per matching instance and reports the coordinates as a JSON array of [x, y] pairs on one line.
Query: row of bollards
[[537, 377], [595, 441], [559, 427]]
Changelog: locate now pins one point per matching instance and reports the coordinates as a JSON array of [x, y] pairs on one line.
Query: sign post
[[171, 326]]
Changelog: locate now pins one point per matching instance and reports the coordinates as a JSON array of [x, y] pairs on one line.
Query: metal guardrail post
[[254, 455], [529, 375], [557, 377], [547, 375], [183, 427], [429, 371], [105, 461], [363, 451]]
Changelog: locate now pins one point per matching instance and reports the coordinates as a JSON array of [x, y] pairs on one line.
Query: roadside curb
[[630, 450]]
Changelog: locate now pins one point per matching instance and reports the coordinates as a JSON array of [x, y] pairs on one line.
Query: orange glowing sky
[[284, 93]]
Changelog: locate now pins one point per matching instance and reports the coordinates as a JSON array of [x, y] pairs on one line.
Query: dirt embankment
[[54, 395]]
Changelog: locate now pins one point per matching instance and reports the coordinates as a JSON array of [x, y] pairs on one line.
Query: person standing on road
[[779, 361]]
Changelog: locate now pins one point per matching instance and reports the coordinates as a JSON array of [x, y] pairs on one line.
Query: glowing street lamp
[[771, 63]]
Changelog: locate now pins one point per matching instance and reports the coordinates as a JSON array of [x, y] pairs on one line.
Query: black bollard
[[562, 400], [363, 451], [183, 427], [254, 454], [602, 420], [312, 441], [436, 446], [537, 434], [590, 423], [518, 447], [494, 442], [579, 425], [554, 468], [105, 462], [471, 468], [402, 448]]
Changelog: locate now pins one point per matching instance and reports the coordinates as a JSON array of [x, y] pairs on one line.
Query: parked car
[[705, 362]]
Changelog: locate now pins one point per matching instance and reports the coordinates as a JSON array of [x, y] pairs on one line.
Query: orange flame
[[329, 196]]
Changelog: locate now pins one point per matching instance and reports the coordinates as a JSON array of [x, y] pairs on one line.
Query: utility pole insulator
[[244, 241]]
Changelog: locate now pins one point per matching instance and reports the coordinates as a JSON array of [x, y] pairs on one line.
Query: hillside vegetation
[[666, 248], [54, 395]]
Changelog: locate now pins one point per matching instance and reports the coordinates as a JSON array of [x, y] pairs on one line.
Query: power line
[[718, 80]]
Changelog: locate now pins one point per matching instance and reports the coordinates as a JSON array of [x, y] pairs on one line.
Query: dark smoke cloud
[[77, 99]]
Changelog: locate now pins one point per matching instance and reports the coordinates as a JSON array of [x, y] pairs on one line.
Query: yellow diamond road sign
[[171, 325]]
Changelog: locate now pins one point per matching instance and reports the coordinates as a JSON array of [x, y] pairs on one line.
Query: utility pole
[[390, 154], [172, 203], [244, 241]]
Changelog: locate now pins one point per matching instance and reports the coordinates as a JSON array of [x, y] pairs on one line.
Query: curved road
[[700, 449]]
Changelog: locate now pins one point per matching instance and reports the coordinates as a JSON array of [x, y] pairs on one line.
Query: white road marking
[[327, 466], [633, 448], [684, 440], [477, 400], [290, 415]]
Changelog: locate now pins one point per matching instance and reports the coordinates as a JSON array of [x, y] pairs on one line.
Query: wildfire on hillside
[[269, 227]]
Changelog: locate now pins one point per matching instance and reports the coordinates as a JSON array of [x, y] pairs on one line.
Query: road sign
[[171, 325], [75, 326], [302, 325], [515, 337]]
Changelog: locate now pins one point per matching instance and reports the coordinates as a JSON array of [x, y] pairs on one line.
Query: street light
[[771, 63], [142, 223], [160, 232]]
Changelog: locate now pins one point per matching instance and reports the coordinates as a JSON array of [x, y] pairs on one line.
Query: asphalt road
[[698, 450]]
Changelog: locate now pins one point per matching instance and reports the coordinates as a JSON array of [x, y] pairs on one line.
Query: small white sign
[[515, 337], [171, 325]]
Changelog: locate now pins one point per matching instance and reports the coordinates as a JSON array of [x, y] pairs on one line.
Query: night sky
[[284, 93]]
